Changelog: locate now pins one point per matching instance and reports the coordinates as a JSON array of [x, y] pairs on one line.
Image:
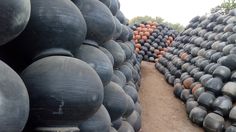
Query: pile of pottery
[[67, 66], [201, 66], [152, 39]]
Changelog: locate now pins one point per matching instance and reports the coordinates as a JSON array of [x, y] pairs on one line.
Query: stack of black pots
[[201, 66], [152, 39], [77, 65]]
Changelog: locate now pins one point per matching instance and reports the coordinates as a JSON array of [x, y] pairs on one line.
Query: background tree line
[[223, 8]]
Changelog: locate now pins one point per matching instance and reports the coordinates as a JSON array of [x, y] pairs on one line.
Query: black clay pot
[[58, 88], [197, 115], [222, 105], [14, 100], [100, 121], [116, 51], [112, 129], [178, 88], [232, 114], [96, 13], [126, 71], [109, 55], [138, 108], [118, 29], [230, 61], [229, 89], [130, 107], [185, 95], [114, 7], [198, 75], [206, 69], [115, 78], [120, 16], [132, 92], [106, 2], [14, 18], [55, 28], [115, 100], [124, 36], [233, 76], [198, 92], [222, 72], [205, 78], [216, 56], [206, 99], [190, 105], [230, 129], [135, 121], [214, 85], [117, 123], [126, 127], [213, 123], [227, 48], [90, 53], [127, 50]]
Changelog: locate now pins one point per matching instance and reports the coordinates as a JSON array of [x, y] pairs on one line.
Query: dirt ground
[[162, 112]]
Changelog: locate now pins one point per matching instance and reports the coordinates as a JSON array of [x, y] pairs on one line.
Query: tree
[[178, 27], [225, 7]]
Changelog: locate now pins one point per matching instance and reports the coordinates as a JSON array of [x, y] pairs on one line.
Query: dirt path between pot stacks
[[162, 112]]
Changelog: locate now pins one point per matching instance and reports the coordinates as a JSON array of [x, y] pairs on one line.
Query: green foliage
[[225, 7], [178, 27]]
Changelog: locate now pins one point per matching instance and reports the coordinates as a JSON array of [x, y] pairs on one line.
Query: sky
[[174, 11]]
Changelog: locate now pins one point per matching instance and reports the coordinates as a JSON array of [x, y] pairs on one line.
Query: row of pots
[[75, 68], [200, 66], [151, 40]]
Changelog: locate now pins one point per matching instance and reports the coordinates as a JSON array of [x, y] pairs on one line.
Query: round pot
[[135, 121], [130, 107], [14, 18], [229, 61], [115, 100], [222, 105], [185, 95], [117, 52], [90, 53], [14, 100], [100, 121], [118, 29], [206, 99], [214, 85], [55, 82], [126, 71], [222, 72], [213, 122], [198, 92], [188, 82], [117, 123], [109, 55], [46, 32], [138, 108], [178, 90], [120, 81], [230, 129], [126, 127], [106, 2], [94, 13], [132, 92], [190, 105], [127, 50], [114, 7], [229, 89], [197, 115], [120, 16]]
